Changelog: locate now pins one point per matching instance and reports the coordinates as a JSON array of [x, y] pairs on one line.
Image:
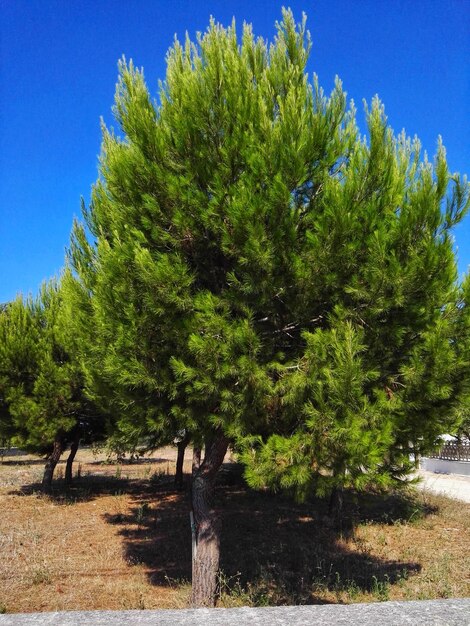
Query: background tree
[[41, 382], [259, 274], [18, 335], [5, 418], [118, 375]]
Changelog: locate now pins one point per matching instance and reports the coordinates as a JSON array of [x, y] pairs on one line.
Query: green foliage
[[250, 263], [40, 380], [18, 337]]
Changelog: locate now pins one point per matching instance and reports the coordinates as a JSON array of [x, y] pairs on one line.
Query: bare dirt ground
[[120, 539], [451, 485]]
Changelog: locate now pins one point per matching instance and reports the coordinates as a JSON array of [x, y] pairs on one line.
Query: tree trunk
[[51, 462], [196, 461], [194, 469], [335, 506], [179, 475], [71, 457], [206, 524]]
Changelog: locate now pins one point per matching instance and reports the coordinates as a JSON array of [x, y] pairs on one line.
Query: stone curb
[[425, 613]]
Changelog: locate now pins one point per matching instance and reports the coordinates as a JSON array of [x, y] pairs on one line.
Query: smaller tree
[[18, 341], [123, 382], [462, 342], [43, 406]]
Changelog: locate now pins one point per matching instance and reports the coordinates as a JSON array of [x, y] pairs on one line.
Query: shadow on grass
[[273, 550], [90, 487], [26, 462]]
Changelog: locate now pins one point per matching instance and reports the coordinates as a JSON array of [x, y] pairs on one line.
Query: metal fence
[[452, 451]]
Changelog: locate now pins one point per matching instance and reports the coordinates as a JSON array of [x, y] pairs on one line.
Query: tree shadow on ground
[[91, 484], [25, 463], [282, 551], [91, 487]]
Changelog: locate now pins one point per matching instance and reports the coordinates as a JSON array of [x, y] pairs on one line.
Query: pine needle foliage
[[250, 263], [41, 383]]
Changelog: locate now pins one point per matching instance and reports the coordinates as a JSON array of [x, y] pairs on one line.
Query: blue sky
[[58, 69]]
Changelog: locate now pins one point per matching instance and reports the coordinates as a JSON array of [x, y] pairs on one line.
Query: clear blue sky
[[58, 61]]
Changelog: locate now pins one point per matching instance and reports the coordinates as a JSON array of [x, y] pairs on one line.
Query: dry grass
[[60, 552], [120, 539]]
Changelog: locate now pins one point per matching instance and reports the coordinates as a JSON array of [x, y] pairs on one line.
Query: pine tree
[[41, 383], [18, 338], [259, 274]]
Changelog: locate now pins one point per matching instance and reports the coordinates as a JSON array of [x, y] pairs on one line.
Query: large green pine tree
[[256, 272]]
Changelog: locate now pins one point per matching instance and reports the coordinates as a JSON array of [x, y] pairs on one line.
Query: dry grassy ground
[[120, 539]]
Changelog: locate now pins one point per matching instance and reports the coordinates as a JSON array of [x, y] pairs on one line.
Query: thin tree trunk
[[52, 461], [206, 524], [196, 461], [196, 464], [335, 506], [179, 475], [73, 451]]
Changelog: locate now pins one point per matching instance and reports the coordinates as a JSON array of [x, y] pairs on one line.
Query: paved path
[[421, 613], [451, 485]]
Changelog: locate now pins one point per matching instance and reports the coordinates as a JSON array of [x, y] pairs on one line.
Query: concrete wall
[[442, 466]]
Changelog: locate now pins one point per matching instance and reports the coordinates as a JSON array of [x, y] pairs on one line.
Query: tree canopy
[[253, 270]]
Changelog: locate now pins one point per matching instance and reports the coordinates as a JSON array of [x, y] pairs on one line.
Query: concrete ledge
[[462, 468], [425, 613]]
